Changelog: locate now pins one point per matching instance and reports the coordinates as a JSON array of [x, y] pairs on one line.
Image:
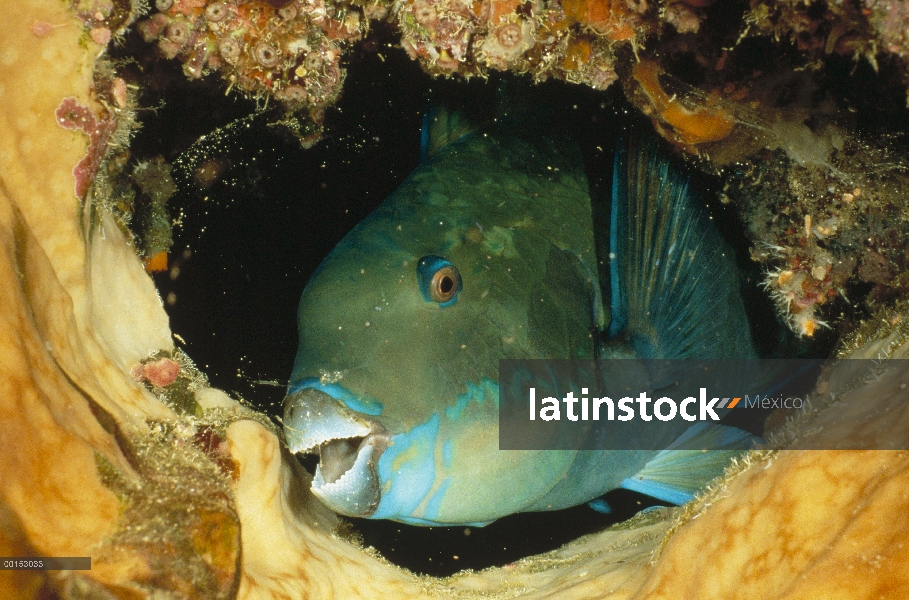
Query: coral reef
[[683, 125], [103, 19], [164, 499], [290, 50], [816, 29], [155, 231], [819, 196], [832, 234], [726, 83], [540, 38], [771, 110]]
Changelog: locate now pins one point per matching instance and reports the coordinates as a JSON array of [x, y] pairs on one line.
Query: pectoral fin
[[442, 126], [600, 505], [676, 474]]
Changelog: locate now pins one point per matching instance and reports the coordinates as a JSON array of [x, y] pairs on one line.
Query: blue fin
[[674, 284], [600, 505], [441, 126], [677, 473]]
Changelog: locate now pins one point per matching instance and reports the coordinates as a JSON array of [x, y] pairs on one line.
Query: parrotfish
[[491, 249]]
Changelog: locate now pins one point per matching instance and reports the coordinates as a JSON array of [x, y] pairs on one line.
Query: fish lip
[[312, 418], [346, 482]]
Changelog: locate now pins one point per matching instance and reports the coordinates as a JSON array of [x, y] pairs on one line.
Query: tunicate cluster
[[103, 19], [289, 49], [568, 40]]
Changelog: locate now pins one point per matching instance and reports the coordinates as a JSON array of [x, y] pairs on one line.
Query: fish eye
[[443, 284], [439, 280]]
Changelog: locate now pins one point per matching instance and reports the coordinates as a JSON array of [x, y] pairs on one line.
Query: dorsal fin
[[675, 291], [442, 126]]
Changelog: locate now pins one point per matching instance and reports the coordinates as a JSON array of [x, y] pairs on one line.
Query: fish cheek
[[347, 312], [560, 315], [483, 482]]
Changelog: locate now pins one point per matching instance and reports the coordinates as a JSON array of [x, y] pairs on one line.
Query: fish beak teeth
[[354, 491], [312, 418], [349, 446]]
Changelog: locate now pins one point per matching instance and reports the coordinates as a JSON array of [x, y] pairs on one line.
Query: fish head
[[395, 383]]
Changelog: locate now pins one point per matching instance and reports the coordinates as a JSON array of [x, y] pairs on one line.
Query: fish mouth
[[348, 444]]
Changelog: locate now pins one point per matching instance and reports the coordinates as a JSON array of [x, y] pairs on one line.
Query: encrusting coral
[[292, 49], [288, 49]]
